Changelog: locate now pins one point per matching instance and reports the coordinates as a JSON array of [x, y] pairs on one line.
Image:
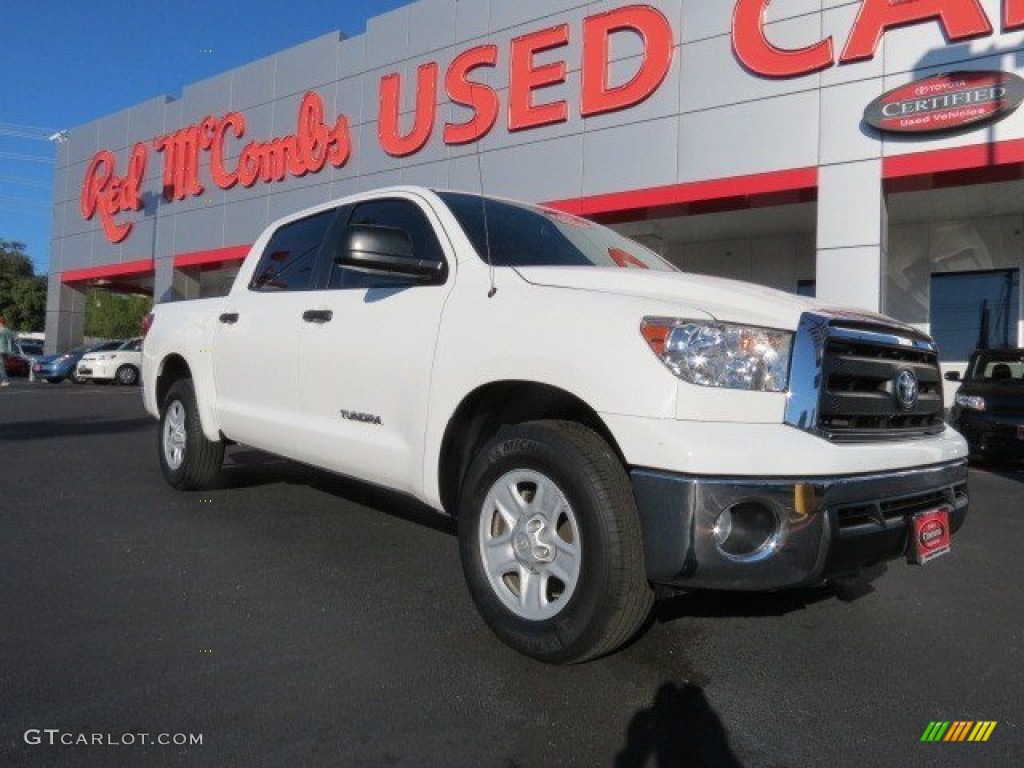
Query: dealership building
[[867, 152]]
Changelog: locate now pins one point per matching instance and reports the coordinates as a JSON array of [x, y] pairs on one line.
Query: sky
[[65, 63]]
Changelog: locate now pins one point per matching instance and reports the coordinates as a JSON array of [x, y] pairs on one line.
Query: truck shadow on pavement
[[1009, 472], [250, 468], [752, 605], [47, 429]]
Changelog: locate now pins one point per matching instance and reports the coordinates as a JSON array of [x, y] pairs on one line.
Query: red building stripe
[[733, 193], [213, 258], [142, 268], [959, 166]]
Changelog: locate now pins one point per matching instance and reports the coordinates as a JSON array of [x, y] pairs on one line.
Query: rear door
[[365, 363], [256, 346]]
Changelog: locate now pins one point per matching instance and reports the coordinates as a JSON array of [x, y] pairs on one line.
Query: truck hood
[[726, 300]]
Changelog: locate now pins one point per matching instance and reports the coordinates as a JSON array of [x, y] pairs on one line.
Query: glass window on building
[[974, 309]]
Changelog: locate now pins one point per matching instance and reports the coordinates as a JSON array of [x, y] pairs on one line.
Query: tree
[[114, 315], [22, 292]]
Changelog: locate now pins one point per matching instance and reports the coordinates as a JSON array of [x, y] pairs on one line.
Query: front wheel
[[127, 375], [551, 544], [189, 461]]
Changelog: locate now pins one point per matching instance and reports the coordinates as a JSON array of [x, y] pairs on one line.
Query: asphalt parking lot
[[295, 618]]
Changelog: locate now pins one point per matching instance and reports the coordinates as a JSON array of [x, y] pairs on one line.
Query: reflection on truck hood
[[726, 300]]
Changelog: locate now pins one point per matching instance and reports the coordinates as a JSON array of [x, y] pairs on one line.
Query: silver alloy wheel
[[530, 544], [174, 435]]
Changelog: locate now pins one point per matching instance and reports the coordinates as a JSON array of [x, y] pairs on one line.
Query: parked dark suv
[[989, 406]]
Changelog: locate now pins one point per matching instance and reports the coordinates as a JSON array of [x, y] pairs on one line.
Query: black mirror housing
[[386, 251], [952, 376]]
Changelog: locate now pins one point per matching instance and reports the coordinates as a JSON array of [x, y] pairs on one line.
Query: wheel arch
[[174, 367], [483, 412]]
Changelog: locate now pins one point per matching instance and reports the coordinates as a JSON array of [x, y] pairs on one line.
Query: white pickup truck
[[597, 422]]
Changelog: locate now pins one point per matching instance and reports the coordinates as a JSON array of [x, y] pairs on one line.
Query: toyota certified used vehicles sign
[[946, 102]]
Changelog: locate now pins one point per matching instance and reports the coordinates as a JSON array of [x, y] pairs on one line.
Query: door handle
[[229, 318], [318, 316]]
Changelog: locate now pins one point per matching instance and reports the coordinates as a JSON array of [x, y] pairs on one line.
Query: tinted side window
[[290, 256], [394, 214]]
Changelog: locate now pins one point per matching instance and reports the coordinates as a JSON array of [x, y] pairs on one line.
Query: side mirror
[[952, 376], [386, 251]]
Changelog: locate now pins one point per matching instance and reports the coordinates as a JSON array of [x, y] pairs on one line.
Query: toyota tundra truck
[[598, 423]]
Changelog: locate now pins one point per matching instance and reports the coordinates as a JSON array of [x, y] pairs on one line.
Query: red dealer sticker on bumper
[[929, 535]]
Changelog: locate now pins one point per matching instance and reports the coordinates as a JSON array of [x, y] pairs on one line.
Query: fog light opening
[[746, 530]]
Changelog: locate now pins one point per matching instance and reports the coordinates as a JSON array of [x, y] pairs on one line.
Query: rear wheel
[[551, 545], [189, 461]]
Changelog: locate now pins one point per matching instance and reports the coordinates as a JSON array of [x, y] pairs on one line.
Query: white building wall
[[711, 120], [778, 261]]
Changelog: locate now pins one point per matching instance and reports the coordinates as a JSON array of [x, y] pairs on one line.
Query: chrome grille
[[843, 384]]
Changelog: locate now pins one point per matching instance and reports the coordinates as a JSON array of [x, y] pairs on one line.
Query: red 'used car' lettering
[[959, 19]]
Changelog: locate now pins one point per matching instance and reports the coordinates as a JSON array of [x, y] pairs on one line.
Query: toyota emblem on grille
[[907, 389]]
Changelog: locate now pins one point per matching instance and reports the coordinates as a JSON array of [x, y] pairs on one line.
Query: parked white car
[[121, 365]]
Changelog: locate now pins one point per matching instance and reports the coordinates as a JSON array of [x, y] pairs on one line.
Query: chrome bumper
[[826, 526]]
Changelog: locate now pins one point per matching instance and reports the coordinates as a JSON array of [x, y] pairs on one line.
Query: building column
[[65, 316], [852, 235], [164, 288], [186, 284]]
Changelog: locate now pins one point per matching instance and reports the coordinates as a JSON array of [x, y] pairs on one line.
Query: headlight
[[720, 354], [971, 402]]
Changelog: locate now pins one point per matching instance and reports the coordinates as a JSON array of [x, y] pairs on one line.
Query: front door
[[366, 357]]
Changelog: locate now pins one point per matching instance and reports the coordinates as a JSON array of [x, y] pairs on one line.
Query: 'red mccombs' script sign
[[201, 151], [946, 102]]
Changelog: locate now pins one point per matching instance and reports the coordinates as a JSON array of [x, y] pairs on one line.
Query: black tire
[[611, 597], [76, 378], [127, 376], [54, 380], [198, 465]]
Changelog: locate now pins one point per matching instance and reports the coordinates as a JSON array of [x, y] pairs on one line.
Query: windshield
[[999, 365], [527, 236]]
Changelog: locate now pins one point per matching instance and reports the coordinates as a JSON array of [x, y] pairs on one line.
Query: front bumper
[[52, 370], [993, 436], [97, 369], [826, 526]]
